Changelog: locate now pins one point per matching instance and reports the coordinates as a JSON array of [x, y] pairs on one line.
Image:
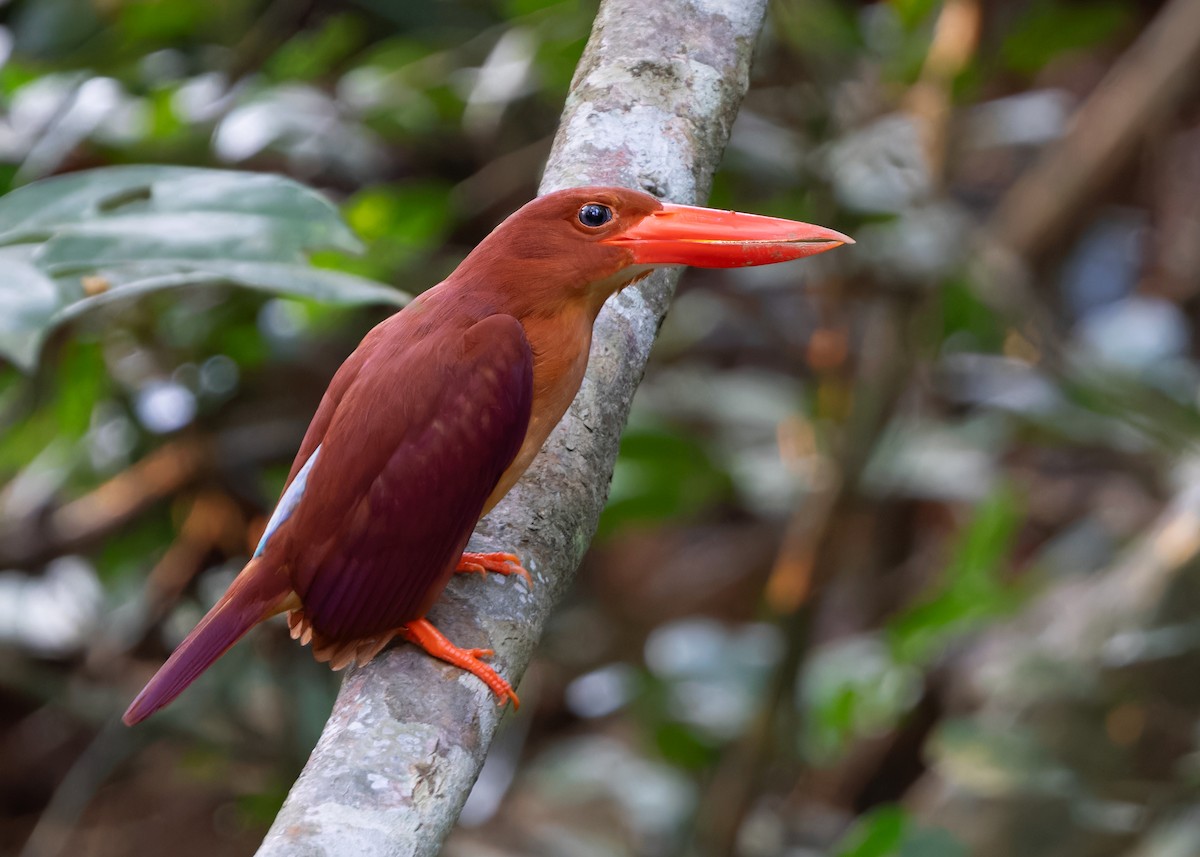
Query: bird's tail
[[258, 593]]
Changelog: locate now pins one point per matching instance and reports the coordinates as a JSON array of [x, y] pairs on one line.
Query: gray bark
[[650, 107]]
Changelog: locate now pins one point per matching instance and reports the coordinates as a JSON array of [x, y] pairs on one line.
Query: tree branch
[[1151, 77], [651, 106]]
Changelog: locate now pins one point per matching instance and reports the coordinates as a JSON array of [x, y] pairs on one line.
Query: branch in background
[[1147, 82], [1094, 663], [29, 540], [650, 107], [1150, 79], [83, 522], [1083, 631], [814, 546], [930, 101], [819, 549]]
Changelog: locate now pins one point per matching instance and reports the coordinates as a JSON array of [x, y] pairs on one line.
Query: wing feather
[[409, 453]]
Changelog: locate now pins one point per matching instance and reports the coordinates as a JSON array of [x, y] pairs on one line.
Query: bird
[[435, 416]]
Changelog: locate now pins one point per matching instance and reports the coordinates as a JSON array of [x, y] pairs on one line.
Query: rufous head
[[584, 244]]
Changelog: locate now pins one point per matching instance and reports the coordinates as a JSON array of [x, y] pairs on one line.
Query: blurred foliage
[[1050, 29], [661, 474], [78, 242], [861, 512], [889, 832], [971, 591]]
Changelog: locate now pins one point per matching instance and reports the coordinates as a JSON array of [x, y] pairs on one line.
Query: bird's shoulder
[[420, 437], [468, 387]]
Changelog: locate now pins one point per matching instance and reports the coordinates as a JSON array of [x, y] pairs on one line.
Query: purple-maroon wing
[[417, 438]]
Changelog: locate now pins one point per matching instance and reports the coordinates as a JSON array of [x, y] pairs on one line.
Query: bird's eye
[[594, 214]]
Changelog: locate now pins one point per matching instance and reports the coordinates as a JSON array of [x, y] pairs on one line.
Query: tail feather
[[257, 593]]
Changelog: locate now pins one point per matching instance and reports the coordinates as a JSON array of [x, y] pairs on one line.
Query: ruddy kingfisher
[[436, 415]]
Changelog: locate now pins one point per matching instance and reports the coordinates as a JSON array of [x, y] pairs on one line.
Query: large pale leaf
[[71, 243], [28, 301]]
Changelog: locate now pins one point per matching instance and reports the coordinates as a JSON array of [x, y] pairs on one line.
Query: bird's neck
[[560, 355]]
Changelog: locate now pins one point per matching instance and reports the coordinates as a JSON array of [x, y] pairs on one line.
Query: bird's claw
[[429, 638], [497, 563]]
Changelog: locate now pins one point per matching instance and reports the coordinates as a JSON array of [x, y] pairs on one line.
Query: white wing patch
[[288, 502]]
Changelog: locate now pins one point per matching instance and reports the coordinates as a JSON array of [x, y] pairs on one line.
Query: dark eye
[[594, 214]]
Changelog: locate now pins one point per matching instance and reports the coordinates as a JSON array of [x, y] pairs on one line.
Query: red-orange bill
[[710, 238]]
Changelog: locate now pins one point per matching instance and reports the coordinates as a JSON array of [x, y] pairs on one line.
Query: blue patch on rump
[[288, 502]]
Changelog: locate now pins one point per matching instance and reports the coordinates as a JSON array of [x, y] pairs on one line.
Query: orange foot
[[500, 563], [429, 638]]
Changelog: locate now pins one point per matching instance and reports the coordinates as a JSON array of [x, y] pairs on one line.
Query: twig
[[813, 546], [878, 389], [83, 521], [112, 745], [1084, 627], [28, 540], [1148, 81], [930, 100], [1150, 77], [651, 106]]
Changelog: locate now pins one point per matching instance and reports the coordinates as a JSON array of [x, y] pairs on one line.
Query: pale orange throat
[[560, 353]]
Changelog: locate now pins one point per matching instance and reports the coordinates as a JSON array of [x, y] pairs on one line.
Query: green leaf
[[82, 382], [889, 832], [661, 474], [683, 746], [77, 242], [312, 53], [28, 301], [913, 13], [193, 235], [966, 319], [877, 834], [102, 199], [972, 589], [415, 215], [134, 280], [851, 689]]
